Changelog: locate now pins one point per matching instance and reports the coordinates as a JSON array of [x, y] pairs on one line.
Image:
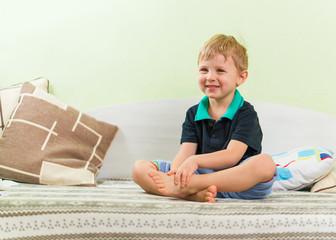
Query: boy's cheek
[[201, 83]]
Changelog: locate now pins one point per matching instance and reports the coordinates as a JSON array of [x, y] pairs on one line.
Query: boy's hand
[[185, 171], [171, 172]]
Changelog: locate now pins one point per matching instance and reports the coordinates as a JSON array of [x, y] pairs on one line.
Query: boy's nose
[[210, 76]]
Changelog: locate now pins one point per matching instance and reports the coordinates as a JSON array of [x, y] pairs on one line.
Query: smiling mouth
[[212, 86]]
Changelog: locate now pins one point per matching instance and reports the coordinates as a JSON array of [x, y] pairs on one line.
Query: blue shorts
[[259, 191]]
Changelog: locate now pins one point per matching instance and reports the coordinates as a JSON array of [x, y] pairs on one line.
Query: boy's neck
[[217, 108]]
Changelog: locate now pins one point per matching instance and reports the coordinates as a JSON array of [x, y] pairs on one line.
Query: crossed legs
[[152, 181], [204, 187]]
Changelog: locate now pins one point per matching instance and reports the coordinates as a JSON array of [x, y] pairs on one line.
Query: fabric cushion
[[9, 98], [48, 142], [302, 167], [328, 183]]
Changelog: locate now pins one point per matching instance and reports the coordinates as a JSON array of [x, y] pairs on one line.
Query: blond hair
[[228, 46]]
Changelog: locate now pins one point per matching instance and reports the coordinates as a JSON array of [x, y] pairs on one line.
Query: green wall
[[103, 52]]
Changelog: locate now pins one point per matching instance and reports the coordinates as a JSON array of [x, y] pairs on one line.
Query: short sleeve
[[189, 132], [247, 128]]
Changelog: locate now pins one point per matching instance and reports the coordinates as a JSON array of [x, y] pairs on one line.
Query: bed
[[118, 209]]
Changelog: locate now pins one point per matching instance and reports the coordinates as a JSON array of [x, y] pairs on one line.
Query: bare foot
[[167, 187], [207, 195]]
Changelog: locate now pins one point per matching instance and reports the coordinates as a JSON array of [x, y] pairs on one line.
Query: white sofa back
[[152, 129]]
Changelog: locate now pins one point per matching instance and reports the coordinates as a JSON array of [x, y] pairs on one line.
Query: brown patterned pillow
[[48, 142], [9, 97]]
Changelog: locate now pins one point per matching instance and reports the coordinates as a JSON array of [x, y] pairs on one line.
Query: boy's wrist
[[194, 159]]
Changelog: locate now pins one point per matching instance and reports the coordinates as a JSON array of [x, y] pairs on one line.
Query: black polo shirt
[[240, 123]]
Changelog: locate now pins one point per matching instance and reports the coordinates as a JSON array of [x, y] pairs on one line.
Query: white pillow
[[9, 97], [302, 167], [328, 183]]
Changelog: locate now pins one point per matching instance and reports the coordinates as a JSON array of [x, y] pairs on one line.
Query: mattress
[[119, 209]]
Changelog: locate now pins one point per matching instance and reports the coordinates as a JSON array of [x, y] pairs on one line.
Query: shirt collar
[[202, 111]]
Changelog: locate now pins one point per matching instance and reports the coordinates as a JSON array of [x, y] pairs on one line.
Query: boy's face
[[218, 77]]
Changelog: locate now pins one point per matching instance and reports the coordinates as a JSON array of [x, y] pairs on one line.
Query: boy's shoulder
[[247, 106], [193, 108], [246, 110]]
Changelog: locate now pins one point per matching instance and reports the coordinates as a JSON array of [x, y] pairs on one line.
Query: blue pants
[[259, 191]]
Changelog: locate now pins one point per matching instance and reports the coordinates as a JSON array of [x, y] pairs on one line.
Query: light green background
[[104, 52]]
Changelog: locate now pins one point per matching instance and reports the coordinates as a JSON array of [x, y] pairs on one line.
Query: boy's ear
[[242, 77]]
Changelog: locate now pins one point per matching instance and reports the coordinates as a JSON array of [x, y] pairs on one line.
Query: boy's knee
[[265, 166], [139, 169]]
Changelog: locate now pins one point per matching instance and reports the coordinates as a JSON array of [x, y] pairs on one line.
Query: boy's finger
[[183, 180], [177, 178], [186, 180], [171, 172]]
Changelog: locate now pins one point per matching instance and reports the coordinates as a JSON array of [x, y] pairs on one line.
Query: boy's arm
[[223, 158], [186, 150], [216, 160]]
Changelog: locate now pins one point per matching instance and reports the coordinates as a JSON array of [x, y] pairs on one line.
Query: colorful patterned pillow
[[302, 167], [328, 183], [48, 142], [9, 97]]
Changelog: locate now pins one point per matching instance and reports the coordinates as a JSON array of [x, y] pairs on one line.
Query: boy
[[221, 137]]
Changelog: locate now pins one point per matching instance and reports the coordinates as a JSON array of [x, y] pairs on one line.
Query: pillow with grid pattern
[[49, 142], [9, 97]]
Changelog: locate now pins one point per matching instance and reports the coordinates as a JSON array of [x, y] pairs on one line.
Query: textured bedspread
[[121, 210]]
